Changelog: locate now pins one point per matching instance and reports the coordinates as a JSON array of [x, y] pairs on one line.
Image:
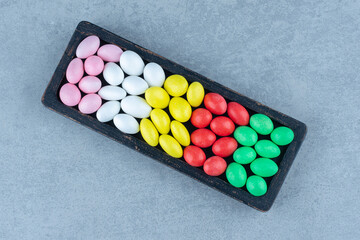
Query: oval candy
[[180, 109], [176, 85], [161, 120], [136, 107], [149, 132], [94, 65], [157, 97], [90, 103], [195, 94], [112, 93], [256, 185], [134, 85], [170, 146], [154, 75], [70, 95], [109, 53], [203, 137], [244, 155], [194, 156], [238, 113], [201, 118], [131, 63], [246, 136], [90, 84], [215, 166], [88, 47], [224, 147], [267, 149], [264, 167], [282, 136], [236, 175], [126, 123], [108, 111], [261, 123], [222, 126], [113, 74], [215, 103], [180, 133], [75, 70]]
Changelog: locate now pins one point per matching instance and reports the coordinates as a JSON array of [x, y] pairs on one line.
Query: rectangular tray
[[51, 100]]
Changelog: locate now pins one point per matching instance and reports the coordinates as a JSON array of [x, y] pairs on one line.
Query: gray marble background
[[59, 180]]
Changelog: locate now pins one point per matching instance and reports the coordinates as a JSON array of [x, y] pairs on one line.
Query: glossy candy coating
[[161, 120], [195, 94], [224, 147], [180, 109], [70, 95], [180, 133], [264, 167], [88, 47], [203, 137], [236, 175], [238, 113], [246, 136], [215, 166], [110, 53], [113, 74], [256, 185], [215, 103], [134, 85], [244, 155], [149, 132], [75, 70], [112, 93], [222, 126], [267, 149], [194, 156], [90, 103], [136, 107], [94, 65], [154, 75], [126, 123], [131, 63], [201, 118], [90, 84], [157, 97], [176, 85], [282, 136], [170, 146], [108, 111], [261, 123]]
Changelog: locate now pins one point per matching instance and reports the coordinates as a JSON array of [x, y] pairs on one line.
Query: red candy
[[238, 113], [215, 103], [203, 138], [194, 156], [201, 118], [224, 147], [215, 166], [222, 126]]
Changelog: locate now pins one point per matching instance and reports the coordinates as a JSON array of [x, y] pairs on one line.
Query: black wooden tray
[[51, 100]]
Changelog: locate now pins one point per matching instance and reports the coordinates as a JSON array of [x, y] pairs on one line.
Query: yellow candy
[[157, 97], [171, 146], [180, 109], [149, 132], [176, 85], [161, 120], [195, 94], [180, 133]]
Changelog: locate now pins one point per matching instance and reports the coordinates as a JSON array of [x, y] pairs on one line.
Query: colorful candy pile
[[160, 108]]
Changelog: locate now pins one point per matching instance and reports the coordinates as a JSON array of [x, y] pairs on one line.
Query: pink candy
[[90, 84], [88, 47], [90, 103], [110, 53], [70, 94], [75, 70], [94, 65]]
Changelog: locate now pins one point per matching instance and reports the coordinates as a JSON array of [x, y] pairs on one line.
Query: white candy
[[154, 75], [134, 85], [113, 73], [112, 93], [131, 63], [126, 123], [136, 106], [108, 111]]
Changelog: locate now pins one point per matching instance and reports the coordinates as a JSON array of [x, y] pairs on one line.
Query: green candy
[[256, 185], [282, 136], [264, 167], [244, 155], [267, 149], [236, 175], [246, 136], [261, 123]]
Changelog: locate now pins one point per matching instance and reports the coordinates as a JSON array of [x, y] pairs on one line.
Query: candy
[[261, 123], [75, 71], [110, 53], [149, 132], [113, 74], [154, 75], [134, 85], [90, 84], [267, 149], [256, 185], [215, 103], [194, 156], [90, 103], [236, 175], [264, 167], [224, 147], [238, 113], [201, 118], [161, 120], [170, 146], [131, 63], [136, 107], [180, 133], [126, 123], [157, 97], [180, 109], [112, 93], [222, 126], [176, 85], [195, 94], [245, 136], [215, 166], [108, 111], [202, 137], [70, 95], [244, 155], [94, 65], [88, 47], [282, 136]]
